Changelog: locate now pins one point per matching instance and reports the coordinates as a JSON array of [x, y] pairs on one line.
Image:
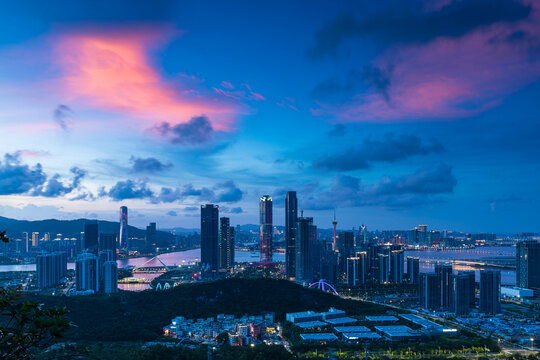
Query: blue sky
[[392, 114]]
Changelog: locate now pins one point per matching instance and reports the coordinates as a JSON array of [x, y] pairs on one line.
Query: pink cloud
[[448, 77], [115, 72], [247, 94]]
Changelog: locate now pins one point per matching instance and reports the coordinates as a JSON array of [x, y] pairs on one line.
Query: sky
[[392, 114]]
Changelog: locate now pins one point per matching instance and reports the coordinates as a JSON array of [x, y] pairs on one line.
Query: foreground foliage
[[26, 326]]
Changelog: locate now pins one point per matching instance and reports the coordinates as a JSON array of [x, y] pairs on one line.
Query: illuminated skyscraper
[[266, 229], [356, 269], [91, 236], [291, 213], [210, 236], [226, 244], [35, 239], [123, 239]]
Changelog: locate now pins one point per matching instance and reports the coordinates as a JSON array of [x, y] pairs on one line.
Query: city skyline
[[167, 108]]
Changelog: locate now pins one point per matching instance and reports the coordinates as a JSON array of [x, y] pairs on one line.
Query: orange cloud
[[113, 71]]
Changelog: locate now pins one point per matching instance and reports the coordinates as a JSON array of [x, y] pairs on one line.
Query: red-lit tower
[[334, 244]]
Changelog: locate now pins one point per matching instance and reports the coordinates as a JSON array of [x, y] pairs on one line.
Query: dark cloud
[[378, 80], [236, 210], [18, 178], [338, 130], [367, 77], [226, 192], [61, 115], [191, 208], [390, 149], [148, 165], [55, 186], [299, 164], [226, 210], [405, 23], [84, 196], [128, 189], [423, 187], [196, 131], [172, 213]]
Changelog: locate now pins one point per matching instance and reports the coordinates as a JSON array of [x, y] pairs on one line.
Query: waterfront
[[428, 259]]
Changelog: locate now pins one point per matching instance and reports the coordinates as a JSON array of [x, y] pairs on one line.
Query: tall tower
[[91, 236], [226, 244], [291, 214], [124, 228], [210, 236], [266, 228], [334, 244]]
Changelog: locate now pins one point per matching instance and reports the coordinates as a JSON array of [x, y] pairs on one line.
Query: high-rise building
[[444, 271], [87, 272], [306, 239], [51, 268], [356, 269], [291, 213], [91, 236], [490, 291], [35, 239], [210, 236], [472, 285], [26, 242], [123, 238], [396, 266], [430, 294], [151, 236], [528, 264], [346, 249], [384, 268], [413, 269], [460, 293], [226, 244], [363, 235], [266, 229], [108, 242], [334, 238], [110, 277]]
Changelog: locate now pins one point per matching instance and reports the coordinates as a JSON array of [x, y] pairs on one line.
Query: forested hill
[[140, 316]]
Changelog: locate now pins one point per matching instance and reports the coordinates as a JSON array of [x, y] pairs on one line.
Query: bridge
[[151, 269], [471, 263]]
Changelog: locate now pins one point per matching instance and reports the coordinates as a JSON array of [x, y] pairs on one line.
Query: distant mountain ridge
[[69, 228]]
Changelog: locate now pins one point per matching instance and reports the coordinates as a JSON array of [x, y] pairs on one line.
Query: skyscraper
[[356, 269], [91, 236], [123, 242], [460, 293], [266, 229], [87, 272], [384, 268], [108, 242], [396, 266], [528, 264], [210, 236], [413, 269], [306, 238], [346, 249], [51, 268], [110, 277], [444, 271], [35, 239], [291, 213], [226, 244], [430, 298], [490, 291], [151, 236]]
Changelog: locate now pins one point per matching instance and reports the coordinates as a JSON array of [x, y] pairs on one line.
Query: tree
[[223, 338], [25, 325]]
